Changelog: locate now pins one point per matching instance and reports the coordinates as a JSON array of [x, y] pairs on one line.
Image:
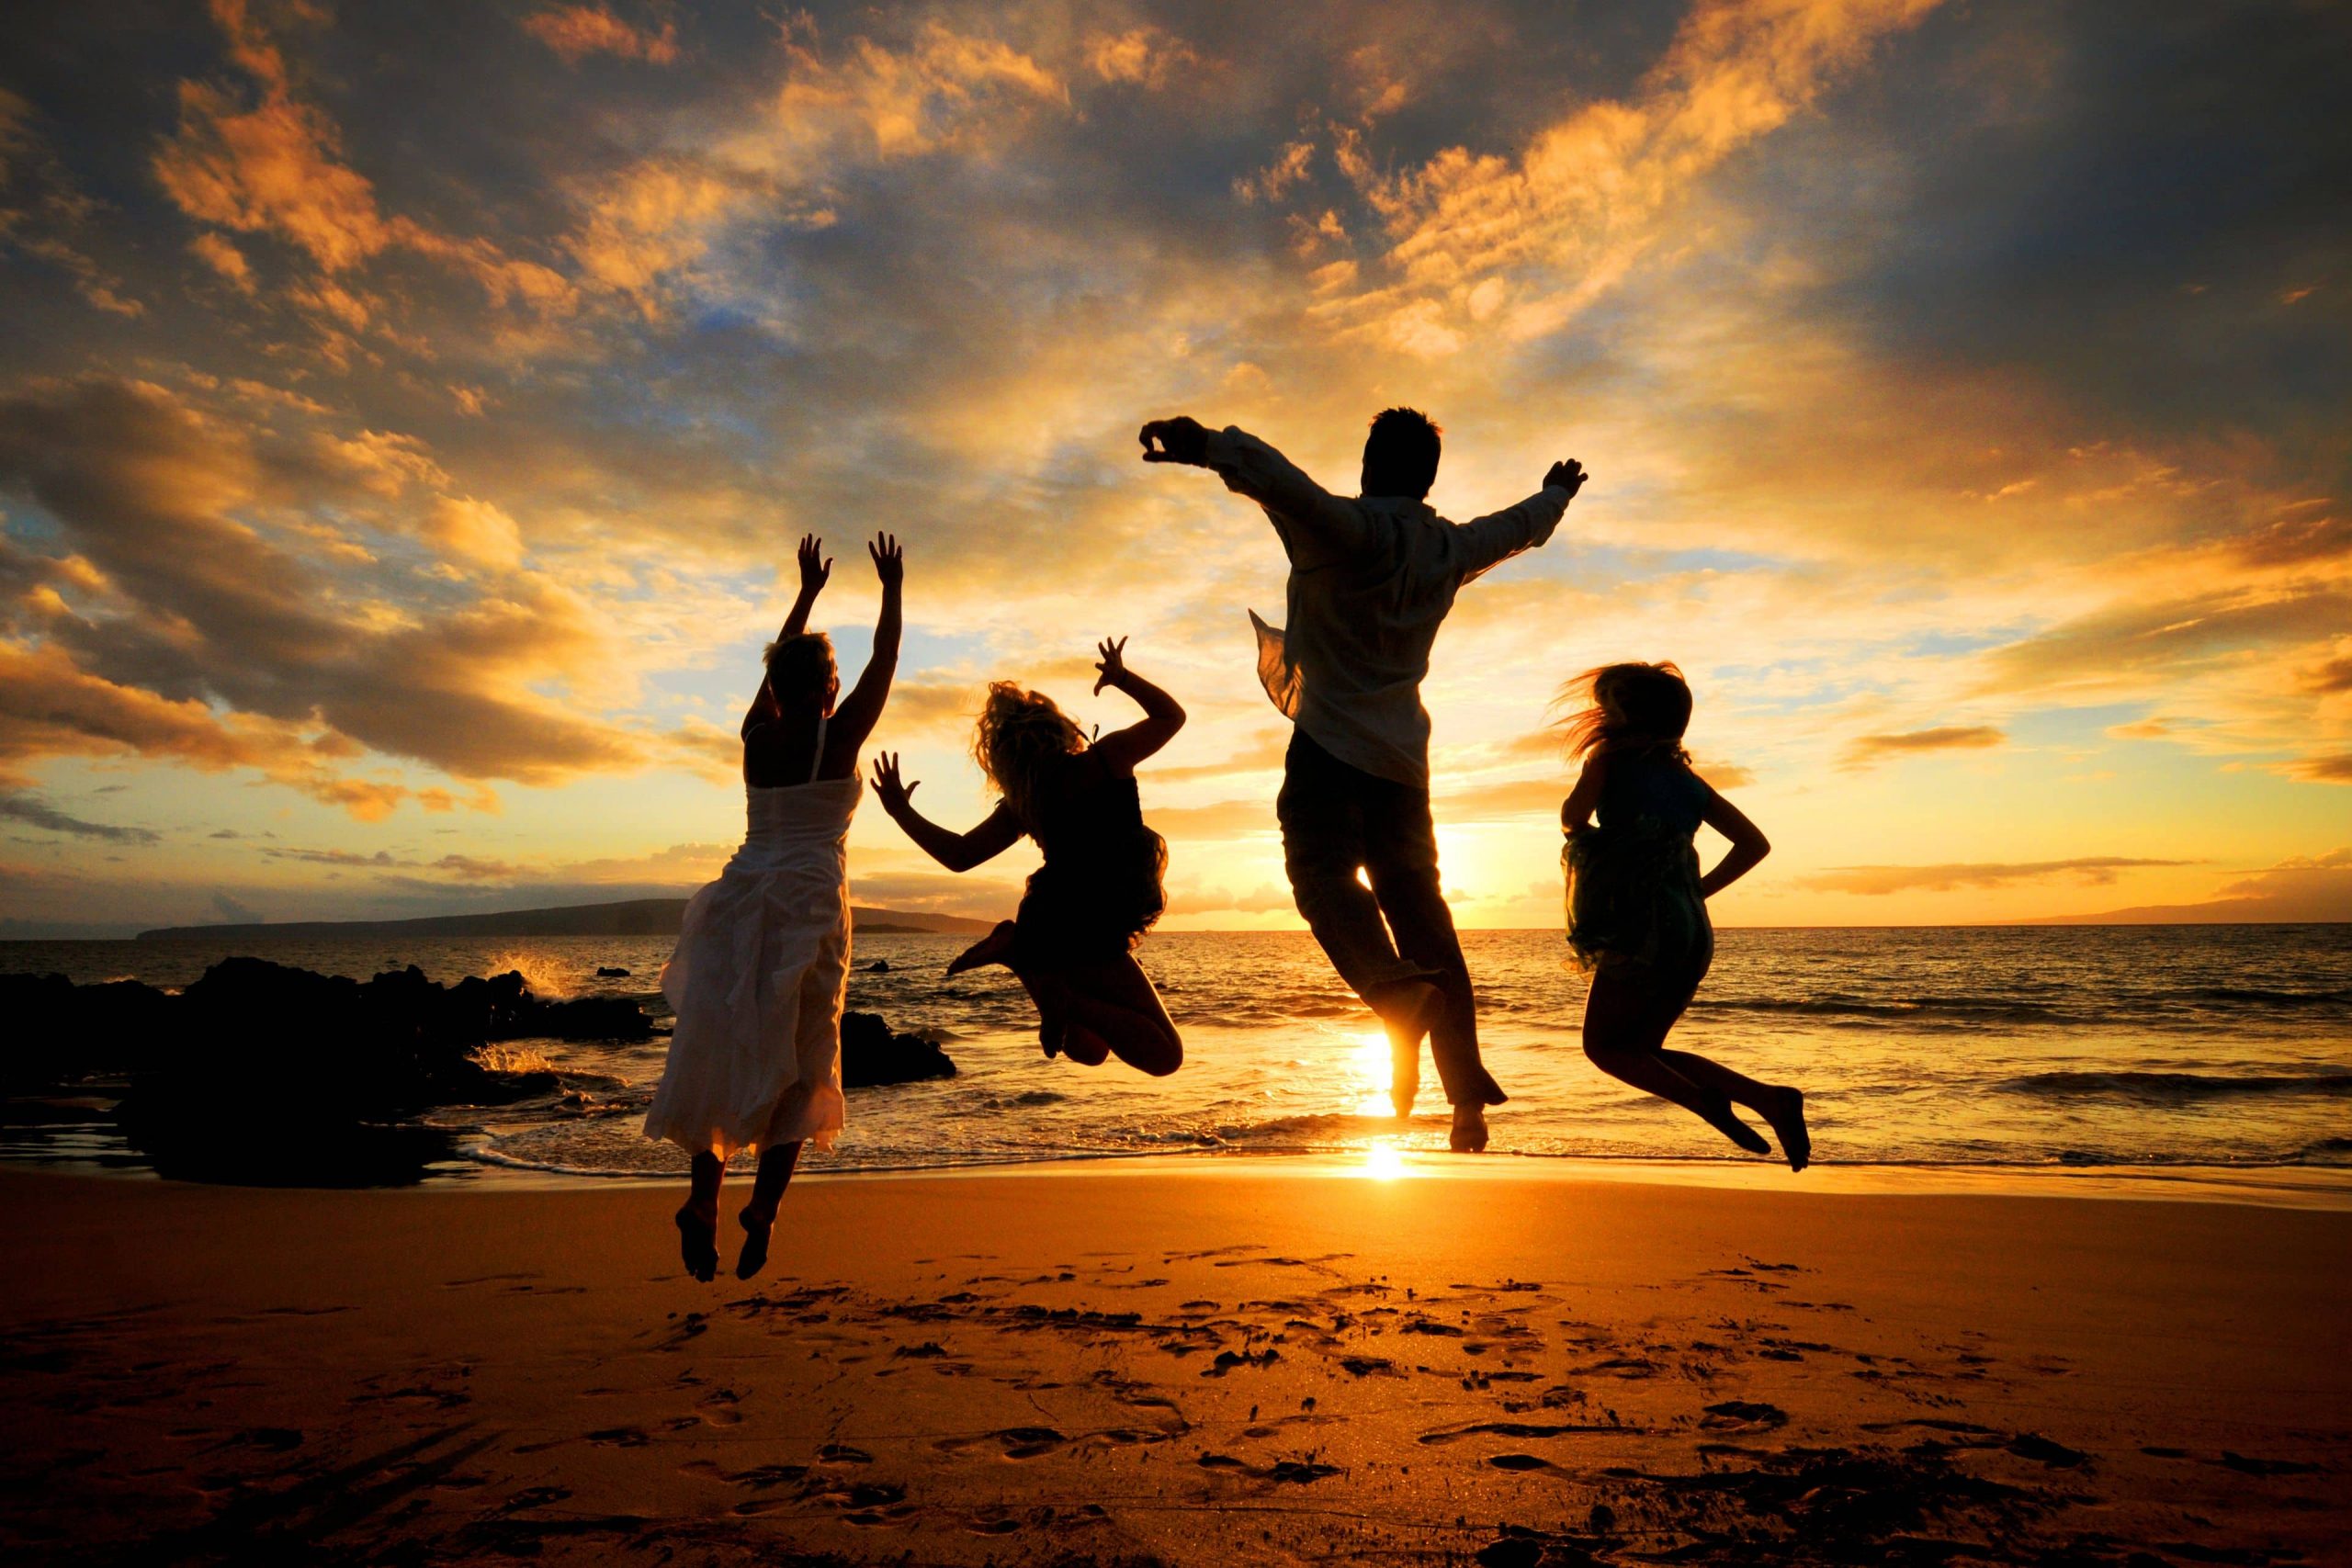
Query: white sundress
[[758, 977]]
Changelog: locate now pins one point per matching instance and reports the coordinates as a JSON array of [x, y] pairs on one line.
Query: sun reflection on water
[[1384, 1162], [1373, 1071]]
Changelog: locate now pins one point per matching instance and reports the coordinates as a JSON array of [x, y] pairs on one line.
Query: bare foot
[[756, 1229], [994, 948], [698, 1242], [1469, 1134], [1725, 1119], [1408, 1013], [1786, 1115]]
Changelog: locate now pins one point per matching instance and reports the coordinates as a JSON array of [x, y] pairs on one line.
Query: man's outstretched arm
[[1485, 542], [1310, 517]]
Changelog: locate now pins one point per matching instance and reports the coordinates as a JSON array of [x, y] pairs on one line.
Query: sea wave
[[2176, 1088], [1903, 1008]]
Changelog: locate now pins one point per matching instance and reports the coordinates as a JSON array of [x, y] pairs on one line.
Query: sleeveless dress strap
[[816, 757]]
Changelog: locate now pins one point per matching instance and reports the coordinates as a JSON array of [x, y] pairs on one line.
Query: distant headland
[[632, 916]]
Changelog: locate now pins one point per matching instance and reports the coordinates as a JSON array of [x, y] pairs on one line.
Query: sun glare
[[1384, 1162], [1371, 1073]]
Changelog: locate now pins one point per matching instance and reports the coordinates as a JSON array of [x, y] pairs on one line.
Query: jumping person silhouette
[[1371, 580], [1072, 941], [762, 964]]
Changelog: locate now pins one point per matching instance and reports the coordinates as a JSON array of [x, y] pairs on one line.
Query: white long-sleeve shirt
[[1371, 580]]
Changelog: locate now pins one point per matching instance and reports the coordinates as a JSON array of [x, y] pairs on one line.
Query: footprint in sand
[[1520, 1461], [617, 1438], [1521, 1429], [761, 1477], [1013, 1442], [1743, 1415]]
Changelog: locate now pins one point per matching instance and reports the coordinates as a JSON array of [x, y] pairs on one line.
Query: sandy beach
[[1203, 1365]]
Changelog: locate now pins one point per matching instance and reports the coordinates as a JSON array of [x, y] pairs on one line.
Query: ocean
[[2000, 1049]]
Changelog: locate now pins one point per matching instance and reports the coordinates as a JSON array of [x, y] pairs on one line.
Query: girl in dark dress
[[1637, 905], [1071, 941]]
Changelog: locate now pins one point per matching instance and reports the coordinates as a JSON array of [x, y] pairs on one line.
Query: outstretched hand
[[1569, 476], [886, 787], [1112, 663], [1180, 440], [815, 566], [890, 560]]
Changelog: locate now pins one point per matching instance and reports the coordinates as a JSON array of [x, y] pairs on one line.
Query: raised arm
[[1748, 844], [958, 851], [1484, 543], [854, 719], [1315, 525], [1162, 715], [815, 568]]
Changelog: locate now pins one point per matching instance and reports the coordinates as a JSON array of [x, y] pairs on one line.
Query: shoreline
[[2309, 1187]]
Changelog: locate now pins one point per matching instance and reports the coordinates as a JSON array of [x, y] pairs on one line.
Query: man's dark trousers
[[1335, 819]]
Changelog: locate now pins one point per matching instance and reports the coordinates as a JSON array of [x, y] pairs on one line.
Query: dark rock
[[263, 1072], [872, 1054], [606, 972], [880, 967]]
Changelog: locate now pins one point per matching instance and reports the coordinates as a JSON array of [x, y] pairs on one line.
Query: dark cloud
[[35, 812]]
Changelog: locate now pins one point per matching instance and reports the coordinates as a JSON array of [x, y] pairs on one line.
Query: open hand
[[815, 565], [890, 560], [892, 794], [1569, 476], [1112, 664], [1178, 440]]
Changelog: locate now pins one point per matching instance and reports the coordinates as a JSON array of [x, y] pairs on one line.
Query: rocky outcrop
[[872, 1054], [259, 1072]]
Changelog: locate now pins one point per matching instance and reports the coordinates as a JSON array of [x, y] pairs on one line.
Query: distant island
[[632, 917]]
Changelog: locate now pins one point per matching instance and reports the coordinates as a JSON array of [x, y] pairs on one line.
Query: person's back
[[1650, 784], [1372, 577], [1348, 667]]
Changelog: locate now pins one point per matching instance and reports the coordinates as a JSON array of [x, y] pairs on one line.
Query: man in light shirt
[[1371, 579]]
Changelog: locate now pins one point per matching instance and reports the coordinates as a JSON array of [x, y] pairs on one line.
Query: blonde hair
[[1627, 706], [1022, 734]]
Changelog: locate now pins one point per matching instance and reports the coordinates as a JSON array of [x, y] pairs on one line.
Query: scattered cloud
[[31, 810], [1866, 750], [1880, 880], [576, 31]]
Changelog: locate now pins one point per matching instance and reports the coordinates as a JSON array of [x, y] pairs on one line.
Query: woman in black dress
[[1071, 942]]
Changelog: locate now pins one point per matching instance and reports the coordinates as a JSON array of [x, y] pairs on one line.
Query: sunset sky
[[407, 413]]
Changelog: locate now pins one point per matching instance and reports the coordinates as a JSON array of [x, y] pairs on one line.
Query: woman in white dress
[[762, 960]]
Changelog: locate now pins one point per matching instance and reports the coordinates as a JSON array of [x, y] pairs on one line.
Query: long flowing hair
[[802, 673], [1644, 707], [1021, 734]]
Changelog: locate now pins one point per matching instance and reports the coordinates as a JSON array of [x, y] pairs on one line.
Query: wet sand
[[1198, 1365]]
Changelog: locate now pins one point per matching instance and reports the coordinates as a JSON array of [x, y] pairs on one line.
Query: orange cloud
[[274, 165], [575, 31], [1867, 749], [1880, 880], [1526, 240]]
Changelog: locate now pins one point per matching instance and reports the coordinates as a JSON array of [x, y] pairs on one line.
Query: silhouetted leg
[[698, 1220], [994, 948], [1402, 851], [1110, 1008], [758, 1217], [1322, 816], [1624, 1024], [1780, 1105]]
